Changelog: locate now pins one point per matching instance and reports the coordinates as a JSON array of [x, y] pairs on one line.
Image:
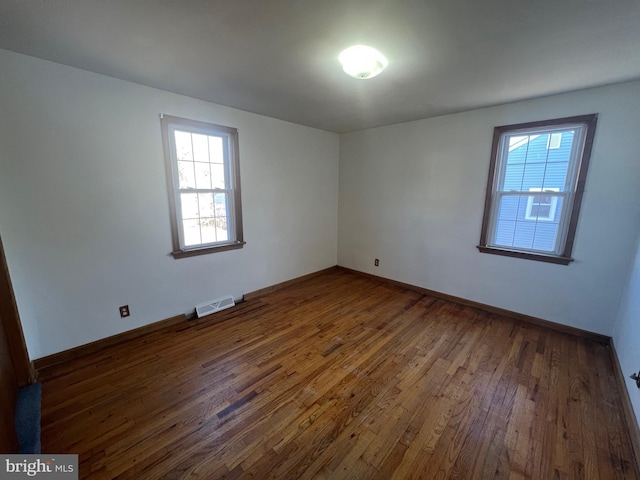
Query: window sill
[[540, 257], [207, 250]]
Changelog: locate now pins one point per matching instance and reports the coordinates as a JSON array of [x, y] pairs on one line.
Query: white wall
[[84, 209], [413, 194], [84, 214], [627, 332]]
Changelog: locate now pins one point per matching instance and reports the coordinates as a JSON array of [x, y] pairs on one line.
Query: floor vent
[[214, 306]]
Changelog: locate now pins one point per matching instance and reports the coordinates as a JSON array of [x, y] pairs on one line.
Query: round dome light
[[362, 62]]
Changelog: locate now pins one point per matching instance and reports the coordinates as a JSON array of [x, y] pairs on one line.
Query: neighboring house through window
[[550, 159], [542, 207], [204, 186]]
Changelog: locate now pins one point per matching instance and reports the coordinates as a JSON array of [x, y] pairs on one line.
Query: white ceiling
[[279, 58]]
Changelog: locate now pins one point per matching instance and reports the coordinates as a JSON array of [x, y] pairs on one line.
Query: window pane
[[517, 148], [540, 210], [186, 175], [216, 150], [189, 203], [206, 204], [537, 149], [545, 236], [555, 140], [513, 177], [563, 152], [508, 208], [203, 176], [556, 176], [183, 146], [504, 232], [523, 235], [200, 148], [208, 228], [222, 215], [217, 172], [522, 208], [220, 200], [221, 230], [524, 225], [191, 231], [533, 176]]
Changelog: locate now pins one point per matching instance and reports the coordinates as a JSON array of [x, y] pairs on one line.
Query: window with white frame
[[204, 186], [541, 207], [549, 158]]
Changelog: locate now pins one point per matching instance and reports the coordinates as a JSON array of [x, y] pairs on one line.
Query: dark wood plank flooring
[[342, 376]]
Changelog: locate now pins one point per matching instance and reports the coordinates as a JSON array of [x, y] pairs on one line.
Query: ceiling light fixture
[[362, 62]]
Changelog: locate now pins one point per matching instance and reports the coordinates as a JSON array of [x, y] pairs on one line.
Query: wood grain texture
[[24, 371], [627, 406], [15, 368], [343, 376], [8, 397], [596, 337], [279, 286], [43, 365]]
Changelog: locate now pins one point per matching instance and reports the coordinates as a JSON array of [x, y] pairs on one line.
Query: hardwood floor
[[342, 377]]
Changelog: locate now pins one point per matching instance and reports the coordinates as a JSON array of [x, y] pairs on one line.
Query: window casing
[[203, 177], [535, 187]]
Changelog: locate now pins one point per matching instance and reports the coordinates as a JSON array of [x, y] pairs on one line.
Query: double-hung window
[[204, 186], [536, 182]]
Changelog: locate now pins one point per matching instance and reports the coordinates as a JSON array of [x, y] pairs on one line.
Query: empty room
[[320, 239]]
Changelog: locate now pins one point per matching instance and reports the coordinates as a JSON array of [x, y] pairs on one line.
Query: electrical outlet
[[376, 262], [124, 311]]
